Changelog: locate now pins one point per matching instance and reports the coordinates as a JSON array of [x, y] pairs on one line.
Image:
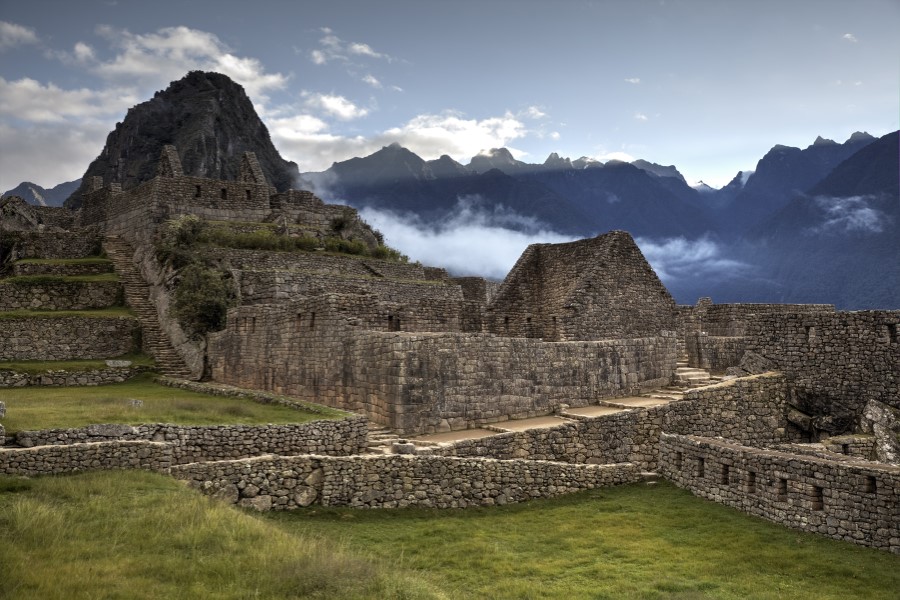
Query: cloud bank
[[487, 242], [853, 214], [474, 240]]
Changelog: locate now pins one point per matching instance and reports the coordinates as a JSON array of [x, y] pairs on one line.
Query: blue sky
[[708, 85]]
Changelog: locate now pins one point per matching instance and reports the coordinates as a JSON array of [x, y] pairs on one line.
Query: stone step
[[136, 295]]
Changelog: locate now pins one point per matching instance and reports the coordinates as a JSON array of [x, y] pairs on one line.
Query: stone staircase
[[381, 439], [688, 377], [137, 297]]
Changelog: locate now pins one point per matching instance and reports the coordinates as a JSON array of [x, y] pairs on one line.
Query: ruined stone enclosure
[[577, 371]]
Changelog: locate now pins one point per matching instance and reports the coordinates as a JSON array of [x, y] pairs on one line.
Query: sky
[[706, 85]]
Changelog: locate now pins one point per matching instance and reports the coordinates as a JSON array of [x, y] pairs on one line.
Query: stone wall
[[88, 268], [750, 410], [375, 303], [326, 264], [61, 378], [715, 353], [59, 295], [837, 362], [51, 244], [395, 481], [724, 325], [65, 338], [858, 502], [422, 383], [53, 460], [629, 436], [195, 443], [585, 290]]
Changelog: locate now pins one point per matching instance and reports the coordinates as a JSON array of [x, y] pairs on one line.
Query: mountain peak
[[820, 141], [860, 136], [208, 118], [555, 162], [496, 158]]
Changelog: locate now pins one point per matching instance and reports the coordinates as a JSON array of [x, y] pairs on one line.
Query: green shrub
[[203, 295], [177, 239]]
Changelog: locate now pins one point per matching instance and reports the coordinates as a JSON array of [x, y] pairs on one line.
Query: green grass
[[31, 408], [134, 535], [41, 366], [627, 542], [54, 279], [139, 535], [105, 313], [91, 260]]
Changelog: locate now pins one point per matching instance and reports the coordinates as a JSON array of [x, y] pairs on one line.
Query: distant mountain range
[[35, 194], [818, 224]]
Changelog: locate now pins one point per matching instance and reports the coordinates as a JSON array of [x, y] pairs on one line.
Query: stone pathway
[[137, 297], [382, 439]]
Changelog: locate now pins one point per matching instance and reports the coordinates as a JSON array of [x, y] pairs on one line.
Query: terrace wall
[[855, 501]]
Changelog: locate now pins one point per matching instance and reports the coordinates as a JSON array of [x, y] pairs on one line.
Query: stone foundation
[[396, 481], [851, 501], [67, 338]]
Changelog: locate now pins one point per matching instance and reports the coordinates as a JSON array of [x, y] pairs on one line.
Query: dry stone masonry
[[804, 432]]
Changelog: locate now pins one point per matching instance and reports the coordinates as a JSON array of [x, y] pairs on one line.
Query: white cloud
[[848, 215], [554, 135], [167, 54], [634, 80], [450, 133], [475, 240], [371, 80], [335, 105], [12, 35], [308, 141], [29, 100], [48, 153], [534, 112], [640, 117], [849, 37], [680, 258], [617, 155], [332, 48], [363, 49]]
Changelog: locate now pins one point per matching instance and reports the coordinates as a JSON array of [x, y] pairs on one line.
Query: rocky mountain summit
[[211, 121]]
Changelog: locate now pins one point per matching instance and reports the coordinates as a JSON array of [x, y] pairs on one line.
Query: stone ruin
[[802, 427]]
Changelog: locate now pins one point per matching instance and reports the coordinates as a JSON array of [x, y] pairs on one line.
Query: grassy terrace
[[114, 311], [48, 408], [50, 279], [42, 366], [140, 535], [91, 260]]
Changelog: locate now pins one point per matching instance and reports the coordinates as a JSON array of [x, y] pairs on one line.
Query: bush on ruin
[[202, 298]]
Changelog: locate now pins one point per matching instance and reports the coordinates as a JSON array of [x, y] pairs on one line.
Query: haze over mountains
[[818, 224]]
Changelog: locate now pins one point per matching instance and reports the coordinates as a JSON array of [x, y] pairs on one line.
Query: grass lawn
[[105, 313], [90, 260], [32, 408], [134, 535], [626, 542], [53, 279], [40, 366], [139, 535]]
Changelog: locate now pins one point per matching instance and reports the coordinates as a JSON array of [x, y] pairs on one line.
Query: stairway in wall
[[137, 297]]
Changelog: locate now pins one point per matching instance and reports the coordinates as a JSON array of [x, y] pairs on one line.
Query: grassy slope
[[45, 408], [134, 535], [40, 366], [139, 535], [105, 313], [54, 279], [634, 541]]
